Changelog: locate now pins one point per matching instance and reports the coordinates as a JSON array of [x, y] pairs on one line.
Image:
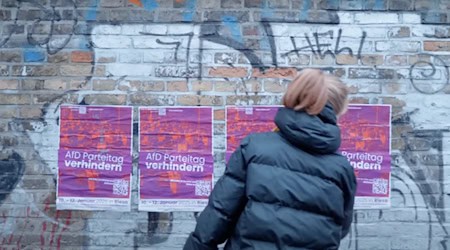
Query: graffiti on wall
[[419, 171]]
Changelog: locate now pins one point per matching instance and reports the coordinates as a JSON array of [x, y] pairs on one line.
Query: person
[[288, 189]]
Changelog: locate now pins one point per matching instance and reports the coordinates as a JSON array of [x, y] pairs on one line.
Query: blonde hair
[[312, 89]]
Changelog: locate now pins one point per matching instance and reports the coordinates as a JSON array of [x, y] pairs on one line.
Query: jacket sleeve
[[226, 202], [349, 195]]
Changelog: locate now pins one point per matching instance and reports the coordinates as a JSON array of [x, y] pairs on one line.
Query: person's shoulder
[[260, 137]]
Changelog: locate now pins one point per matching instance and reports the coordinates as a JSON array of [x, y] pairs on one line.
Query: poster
[[366, 140], [241, 121], [175, 158], [94, 158]]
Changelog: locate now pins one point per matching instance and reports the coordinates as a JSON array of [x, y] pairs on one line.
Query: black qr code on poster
[[120, 187], [202, 188], [380, 186]]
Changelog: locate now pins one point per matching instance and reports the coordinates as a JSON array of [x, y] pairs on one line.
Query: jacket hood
[[317, 133]]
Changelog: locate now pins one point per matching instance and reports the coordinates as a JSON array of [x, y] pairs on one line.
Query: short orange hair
[[312, 89]]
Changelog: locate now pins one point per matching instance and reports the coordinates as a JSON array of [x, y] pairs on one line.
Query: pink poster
[[242, 121], [175, 158], [94, 158], [366, 140]]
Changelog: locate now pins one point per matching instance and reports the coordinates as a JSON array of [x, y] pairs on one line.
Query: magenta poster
[[241, 121], [366, 140], [175, 158], [94, 158]]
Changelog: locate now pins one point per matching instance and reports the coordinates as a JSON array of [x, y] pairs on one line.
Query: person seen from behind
[[290, 188]]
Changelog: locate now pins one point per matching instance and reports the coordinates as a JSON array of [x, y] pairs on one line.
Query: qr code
[[203, 188], [380, 186], [120, 187]]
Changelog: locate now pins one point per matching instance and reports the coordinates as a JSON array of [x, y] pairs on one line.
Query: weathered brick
[[399, 32], [274, 86], [152, 100], [253, 100], [15, 99], [401, 5], [228, 72], [375, 5], [8, 112], [32, 84], [225, 58], [130, 15], [201, 86], [10, 56], [395, 46], [431, 17], [152, 86], [372, 60], [424, 5], [112, 3], [327, 60], [201, 100], [180, 86], [176, 71], [9, 3], [251, 30], [253, 3], [412, 59], [35, 70], [231, 4], [358, 100], [109, 99], [329, 4], [55, 84], [275, 73], [225, 86], [231, 16], [301, 59], [396, 60], [436, 45], [45, 98], [4, 70], [177, 16], [104, 85], [278, 4], [351, 5], [9, 84], [105, 57], [34, 55], [82, 56], [60, 57], [79, 85], [344, 59], [31, 112], [371, 73], [219, 115], [76, 70]]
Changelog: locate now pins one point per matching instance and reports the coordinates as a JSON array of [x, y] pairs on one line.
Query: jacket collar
[[316, 133]]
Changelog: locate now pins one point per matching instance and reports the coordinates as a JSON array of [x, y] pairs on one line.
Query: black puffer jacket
[[282, 190]]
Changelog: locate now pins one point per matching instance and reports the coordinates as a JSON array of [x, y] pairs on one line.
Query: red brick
[[82, 56], [219, 115], [177, 86], [228, 72], [275, 73], [436, 45]]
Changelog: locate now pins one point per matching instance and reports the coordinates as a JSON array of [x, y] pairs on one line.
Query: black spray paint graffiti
[[316, 49], [12, 169], [47, 29], [422, 73]]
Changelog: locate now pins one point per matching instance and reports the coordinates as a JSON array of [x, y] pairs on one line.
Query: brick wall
[[217, 53]]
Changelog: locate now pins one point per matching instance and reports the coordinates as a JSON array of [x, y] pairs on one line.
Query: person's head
[[312, 89]]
